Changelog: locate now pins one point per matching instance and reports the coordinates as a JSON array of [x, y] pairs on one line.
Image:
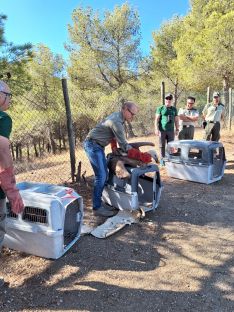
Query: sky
[[45, 21]]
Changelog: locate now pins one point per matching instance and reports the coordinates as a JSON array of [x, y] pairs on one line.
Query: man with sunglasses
[[188, 116], [212, 115], [165, 119], [7, 177], [109, 130]]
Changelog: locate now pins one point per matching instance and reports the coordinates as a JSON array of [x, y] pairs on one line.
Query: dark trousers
[[187, 133], [165, 136], [212, 131]]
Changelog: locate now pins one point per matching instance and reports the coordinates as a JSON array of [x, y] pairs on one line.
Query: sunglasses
[[168, 98], [215, 97], [7, 94], [131, 112]]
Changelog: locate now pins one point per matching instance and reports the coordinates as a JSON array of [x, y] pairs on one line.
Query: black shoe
[[103, 212]]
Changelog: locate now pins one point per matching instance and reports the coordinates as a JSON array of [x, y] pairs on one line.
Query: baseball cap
[[216, 94], [169, 95]]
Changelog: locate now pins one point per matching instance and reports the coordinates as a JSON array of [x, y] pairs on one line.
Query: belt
[[187, 126], [213, 122], [94, 141]]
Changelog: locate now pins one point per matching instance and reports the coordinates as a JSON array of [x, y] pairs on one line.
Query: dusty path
[[179, 258]]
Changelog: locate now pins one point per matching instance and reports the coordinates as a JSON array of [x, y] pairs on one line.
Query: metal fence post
[[163, 92], [69, 129], [230, 110], [208, 95]]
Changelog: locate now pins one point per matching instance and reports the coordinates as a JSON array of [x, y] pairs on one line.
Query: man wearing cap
[[188, 116], [165, 119], [212, 114]]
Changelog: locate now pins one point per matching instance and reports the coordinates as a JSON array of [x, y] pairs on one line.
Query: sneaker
[[103, 212], [162, 162], [108, 207], [1, 282]]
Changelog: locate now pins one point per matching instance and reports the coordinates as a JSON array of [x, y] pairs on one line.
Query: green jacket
[[5, 131]]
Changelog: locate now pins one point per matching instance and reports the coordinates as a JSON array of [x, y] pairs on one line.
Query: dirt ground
[[178, 258]]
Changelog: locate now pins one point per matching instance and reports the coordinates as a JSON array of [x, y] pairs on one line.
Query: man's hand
[[8, 185], [157, 132]]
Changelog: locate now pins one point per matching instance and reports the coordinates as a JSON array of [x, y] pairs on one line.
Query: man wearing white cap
[[212, 114]]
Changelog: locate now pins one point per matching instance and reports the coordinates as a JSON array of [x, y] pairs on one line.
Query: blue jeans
[[97, 159]]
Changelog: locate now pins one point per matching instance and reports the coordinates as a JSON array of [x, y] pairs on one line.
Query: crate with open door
[[50, 223]]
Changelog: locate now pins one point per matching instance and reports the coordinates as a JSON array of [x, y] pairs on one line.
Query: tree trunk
[[176, 92], [20, 152], [226, 99], [40, 147], [12, 151], [53, 144], [43, 145], [17, 151], [28, 152], [35, 148], [64, 143], [60, 138]]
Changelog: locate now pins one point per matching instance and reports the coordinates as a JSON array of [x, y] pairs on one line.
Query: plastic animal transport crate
[[193, 160], [50, 223], [141, 190]]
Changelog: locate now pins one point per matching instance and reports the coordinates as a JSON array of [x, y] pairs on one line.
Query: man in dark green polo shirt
[[165, 119]]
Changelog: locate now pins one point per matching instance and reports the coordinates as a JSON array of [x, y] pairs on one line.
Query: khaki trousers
[[212, 131]]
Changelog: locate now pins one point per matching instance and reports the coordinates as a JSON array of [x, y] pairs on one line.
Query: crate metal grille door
[[72, 222]]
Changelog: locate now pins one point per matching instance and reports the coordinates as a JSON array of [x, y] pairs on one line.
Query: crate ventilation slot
[[36, 215]]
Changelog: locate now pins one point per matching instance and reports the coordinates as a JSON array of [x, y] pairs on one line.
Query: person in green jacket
[[7, 177]]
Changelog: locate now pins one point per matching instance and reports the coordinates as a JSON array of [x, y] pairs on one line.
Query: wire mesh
[[39, 140]]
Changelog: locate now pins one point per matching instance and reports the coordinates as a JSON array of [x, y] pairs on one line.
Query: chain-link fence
[[51, 123], [41, 142]]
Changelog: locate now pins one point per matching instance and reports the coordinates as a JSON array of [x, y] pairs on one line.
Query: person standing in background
[[7, 178], [165, 119], [212, 115], [188, 116]]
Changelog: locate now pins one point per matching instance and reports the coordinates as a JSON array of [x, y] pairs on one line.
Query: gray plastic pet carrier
[[142, 189], [198, 161], [50, 223]]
